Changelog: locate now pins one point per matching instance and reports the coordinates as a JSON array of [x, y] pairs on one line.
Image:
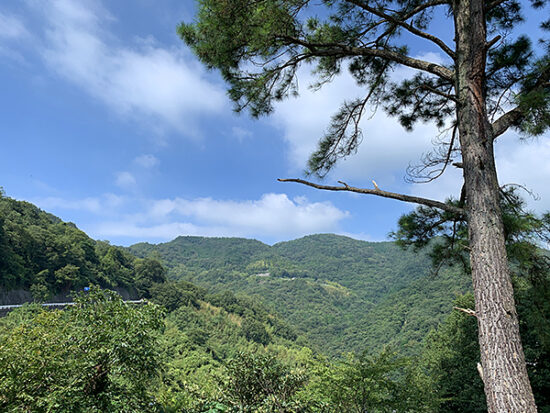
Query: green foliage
[[99, 355], [260, 383], [446, 235], [342, 294], [452, 351], [259, 46], [174, 295], [451, 356], [148, 272], [42, 254], [384, 382], [255, 331], [228, 32], [202, 334]]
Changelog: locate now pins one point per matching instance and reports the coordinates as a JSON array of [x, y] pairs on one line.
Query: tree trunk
[[506, 382]]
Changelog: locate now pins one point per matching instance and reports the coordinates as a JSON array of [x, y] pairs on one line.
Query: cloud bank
[[273, 217]]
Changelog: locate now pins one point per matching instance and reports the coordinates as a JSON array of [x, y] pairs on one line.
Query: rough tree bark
[[505, 376]]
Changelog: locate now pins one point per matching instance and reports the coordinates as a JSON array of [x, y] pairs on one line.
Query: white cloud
[[526, 163], [240, 133], [12, 30], [274, 214], [125, 180], [147, 161], [166, 232], [165, 85], [387, 149], [11, 27], [95, 205], [90, 204], [273, 217]]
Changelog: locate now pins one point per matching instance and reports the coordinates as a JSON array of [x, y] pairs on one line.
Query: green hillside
[[171, 354], [342, 294], [43, 255], [205, 253]]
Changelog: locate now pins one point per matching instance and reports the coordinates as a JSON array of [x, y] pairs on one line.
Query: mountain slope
[[342, 294], [44, 256]]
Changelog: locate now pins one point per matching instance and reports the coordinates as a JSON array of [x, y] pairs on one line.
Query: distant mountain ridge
[[342, 294]]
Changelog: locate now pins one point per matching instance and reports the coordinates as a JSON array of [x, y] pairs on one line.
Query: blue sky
[[108, 121]]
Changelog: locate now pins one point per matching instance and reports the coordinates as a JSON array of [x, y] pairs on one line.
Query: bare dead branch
[[385, 194], [447, 157], [531, 193], [466, 311], [433, 164]]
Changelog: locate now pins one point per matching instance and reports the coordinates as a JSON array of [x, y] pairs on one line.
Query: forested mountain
[[342, 294], [46, 256], [104, 355]]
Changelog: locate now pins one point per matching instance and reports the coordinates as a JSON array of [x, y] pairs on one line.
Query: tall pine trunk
[[506, 382]]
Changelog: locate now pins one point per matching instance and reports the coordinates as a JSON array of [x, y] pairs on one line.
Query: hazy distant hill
[[343, 294]]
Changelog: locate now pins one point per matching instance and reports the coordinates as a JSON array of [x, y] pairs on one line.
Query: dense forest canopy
[[342, 294]]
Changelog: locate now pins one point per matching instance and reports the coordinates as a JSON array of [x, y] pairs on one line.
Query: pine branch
[[409, 27], [342, 50], [494, 4], [385, 194], [503, 123], [438, 92], [422, 7], [516, 115]]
